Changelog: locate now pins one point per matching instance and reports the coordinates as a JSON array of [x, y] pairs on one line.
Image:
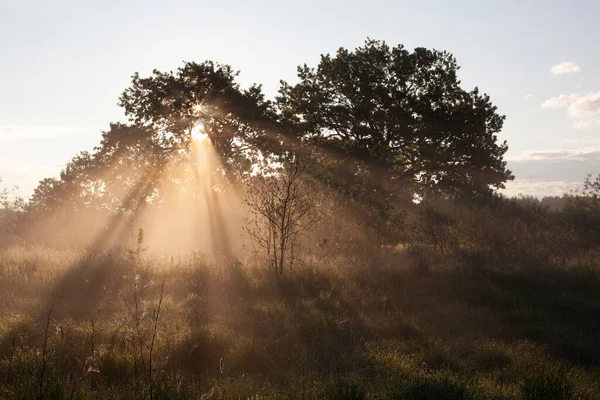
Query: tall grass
[[412, 324]]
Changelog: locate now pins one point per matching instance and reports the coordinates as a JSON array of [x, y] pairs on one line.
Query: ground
[[393, 325]]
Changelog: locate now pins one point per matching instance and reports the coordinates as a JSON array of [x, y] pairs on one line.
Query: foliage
[[402, 115], [380, 125], [5, 199], [582, 210], [136, 164], [10, 209], [172, 105], [514, 229]]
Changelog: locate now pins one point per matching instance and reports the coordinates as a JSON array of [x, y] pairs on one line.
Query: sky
[[64, 63]]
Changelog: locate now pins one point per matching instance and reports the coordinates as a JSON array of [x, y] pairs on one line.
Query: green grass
[[340, 329]]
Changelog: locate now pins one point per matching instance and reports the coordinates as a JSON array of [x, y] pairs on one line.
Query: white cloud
[[565, 67], [539, 188], [588, 104], [562, 101], [585, 107], [542, 172], [582, 154]]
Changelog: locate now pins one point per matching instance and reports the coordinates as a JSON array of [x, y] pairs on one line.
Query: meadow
[[345, 239], [391, 324]]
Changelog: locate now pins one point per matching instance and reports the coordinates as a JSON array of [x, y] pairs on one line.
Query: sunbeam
[[216, 191]]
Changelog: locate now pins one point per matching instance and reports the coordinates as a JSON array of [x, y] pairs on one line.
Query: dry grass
[[334, 328]]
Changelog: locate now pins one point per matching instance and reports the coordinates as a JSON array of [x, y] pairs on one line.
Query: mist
[[346, 239]]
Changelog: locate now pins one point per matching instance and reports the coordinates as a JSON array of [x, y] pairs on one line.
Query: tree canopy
[[369, 121], [175, 106], [403, 114]]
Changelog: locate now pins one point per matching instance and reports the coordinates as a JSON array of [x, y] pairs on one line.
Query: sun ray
[[58, 221], [215, 190]]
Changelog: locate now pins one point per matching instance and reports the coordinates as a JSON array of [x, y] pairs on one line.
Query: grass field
[[391, 325]]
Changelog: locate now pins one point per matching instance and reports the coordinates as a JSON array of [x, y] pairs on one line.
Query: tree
[[582, 210], [9, 209], [280, 211], [400, 115], [104, 178], [134, 163], [376, 120], [201, 97], [68, 209]]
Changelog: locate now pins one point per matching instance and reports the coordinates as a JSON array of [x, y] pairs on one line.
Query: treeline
[[385, 134], [552, 203], [518, 231]]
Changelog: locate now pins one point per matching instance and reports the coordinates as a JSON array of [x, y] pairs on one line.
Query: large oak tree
[[401, 114]]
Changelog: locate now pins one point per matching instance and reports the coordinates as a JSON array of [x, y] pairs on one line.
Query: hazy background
[[64, 64]]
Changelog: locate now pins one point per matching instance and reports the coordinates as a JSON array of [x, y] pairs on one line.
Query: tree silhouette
[[376, 124], [280, 211], [403, 115], [10, 206], [201, 97], [135, 162]]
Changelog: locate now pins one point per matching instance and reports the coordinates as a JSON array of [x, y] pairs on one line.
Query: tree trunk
[[281, 257]]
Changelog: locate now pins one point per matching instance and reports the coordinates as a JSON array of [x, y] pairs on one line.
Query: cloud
[[544, 172], [582, 154], [539, 188], [585, 107], [562, 101], [588, 104], [565, 67]]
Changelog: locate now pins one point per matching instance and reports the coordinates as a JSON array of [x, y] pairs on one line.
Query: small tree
[[9, 209], [280, 210], [582, 210], [591, 189]]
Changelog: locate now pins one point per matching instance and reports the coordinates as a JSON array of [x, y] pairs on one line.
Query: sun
[[197, 108], [199, 134], [200, 137]]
